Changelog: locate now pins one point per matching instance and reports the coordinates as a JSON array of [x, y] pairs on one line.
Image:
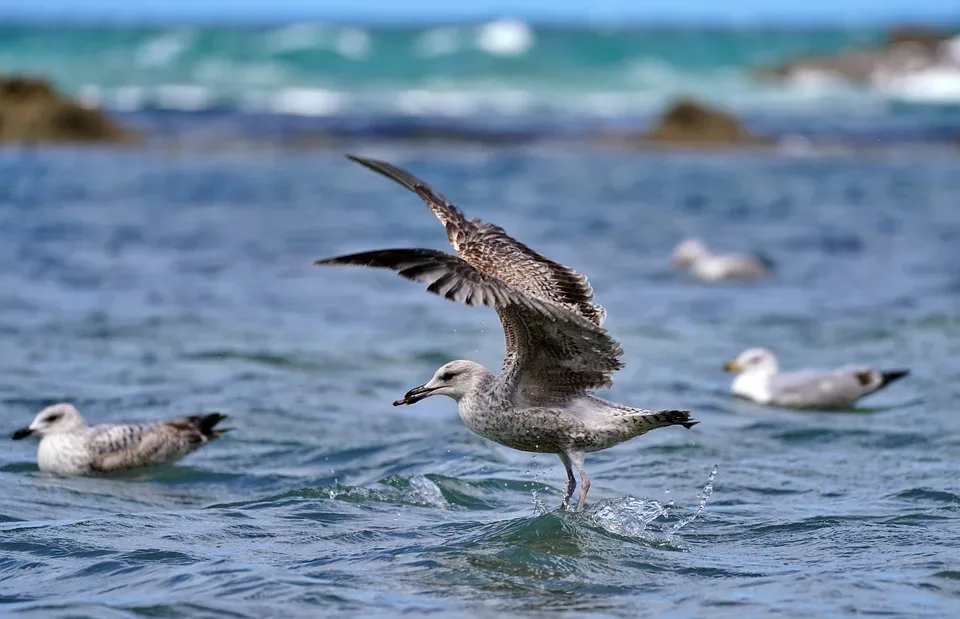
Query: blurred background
[[850, 70], [169, 170]]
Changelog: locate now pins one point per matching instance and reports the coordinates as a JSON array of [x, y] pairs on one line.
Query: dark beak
[[22, 433], [414, 395]]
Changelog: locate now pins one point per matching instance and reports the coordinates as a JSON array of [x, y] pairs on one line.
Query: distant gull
[[693, 255], [760, 380], [68, 446], [556, 350]]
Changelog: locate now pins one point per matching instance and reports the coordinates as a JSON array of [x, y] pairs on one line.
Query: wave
[[505, 67]]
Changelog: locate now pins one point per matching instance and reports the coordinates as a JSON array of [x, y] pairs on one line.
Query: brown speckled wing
[[491, 250], [550, 351], [118, 447]]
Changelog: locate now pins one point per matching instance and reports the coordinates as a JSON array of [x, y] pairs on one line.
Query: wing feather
[[118, 447], [491, 250], [551, 352]]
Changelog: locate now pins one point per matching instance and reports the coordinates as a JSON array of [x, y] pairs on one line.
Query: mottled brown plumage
[[490, 249], [68, 446], [557, 352], [118, 447]]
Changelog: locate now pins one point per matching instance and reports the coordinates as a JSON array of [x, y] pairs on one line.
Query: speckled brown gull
[[556, 349], [68, 446], [761, 380]]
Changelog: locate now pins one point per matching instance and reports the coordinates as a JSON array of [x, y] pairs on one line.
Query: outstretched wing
[[118, 447], [551, 352], [490, 249]]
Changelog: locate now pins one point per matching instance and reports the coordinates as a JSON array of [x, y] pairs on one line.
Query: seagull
[[693, 255], [760, 380], [557, 352], [68, 446]]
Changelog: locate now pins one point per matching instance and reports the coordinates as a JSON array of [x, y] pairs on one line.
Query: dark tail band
[[206, 424]]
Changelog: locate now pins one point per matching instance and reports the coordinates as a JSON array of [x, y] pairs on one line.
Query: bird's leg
[[571, 481], [577, 459]]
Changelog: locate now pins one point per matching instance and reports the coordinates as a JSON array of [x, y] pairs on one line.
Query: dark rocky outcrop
[[903, 50], [692, 122], [32, 111], [688, 122]]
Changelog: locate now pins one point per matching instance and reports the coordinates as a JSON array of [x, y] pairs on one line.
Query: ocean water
[[495, 74], [143, 284]]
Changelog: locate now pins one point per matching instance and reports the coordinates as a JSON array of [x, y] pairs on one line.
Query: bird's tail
[[651, 420], [206, 423]]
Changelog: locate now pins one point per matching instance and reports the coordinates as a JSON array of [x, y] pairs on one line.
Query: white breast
[[63, 454], [753, 386]]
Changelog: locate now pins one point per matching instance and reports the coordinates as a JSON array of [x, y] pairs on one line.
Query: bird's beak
[[732, 366], [22, 433], [415, 395]]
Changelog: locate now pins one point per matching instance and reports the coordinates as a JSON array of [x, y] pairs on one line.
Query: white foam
[[187, 97], [353, 43], [447, 103], [307, 102], [505, 37], [163, 50], [938, 84]]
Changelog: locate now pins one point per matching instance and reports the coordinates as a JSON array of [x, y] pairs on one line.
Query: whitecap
[[352, 43], [937, 84], [187, 97], [505, 37], [306, 102], [445, 103], [122, 99], [163, 50]]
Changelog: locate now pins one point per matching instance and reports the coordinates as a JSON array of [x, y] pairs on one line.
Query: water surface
[[144, 284]]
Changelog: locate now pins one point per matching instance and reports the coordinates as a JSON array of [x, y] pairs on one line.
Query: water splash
[[627, 516], [539, 506], [704, 497]]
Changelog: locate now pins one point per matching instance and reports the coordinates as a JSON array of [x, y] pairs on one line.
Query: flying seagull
[[557, 352]]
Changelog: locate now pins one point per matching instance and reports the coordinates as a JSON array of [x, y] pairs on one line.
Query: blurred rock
[[912, 35], [692, 122], [688, 122], [31, 110], [904, 50]]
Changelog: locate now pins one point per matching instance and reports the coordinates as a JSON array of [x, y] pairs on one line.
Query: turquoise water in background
[[483, 74], [150, 282]]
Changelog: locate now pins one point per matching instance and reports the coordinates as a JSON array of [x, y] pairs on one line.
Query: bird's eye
[[447, 376], [54, 418]]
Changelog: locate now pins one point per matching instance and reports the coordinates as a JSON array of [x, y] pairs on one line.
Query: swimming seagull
[[556, 349], [760, 380], [693, 255], [68, 446]]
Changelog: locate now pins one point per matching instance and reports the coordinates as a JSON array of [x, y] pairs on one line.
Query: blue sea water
[[149, 282]]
